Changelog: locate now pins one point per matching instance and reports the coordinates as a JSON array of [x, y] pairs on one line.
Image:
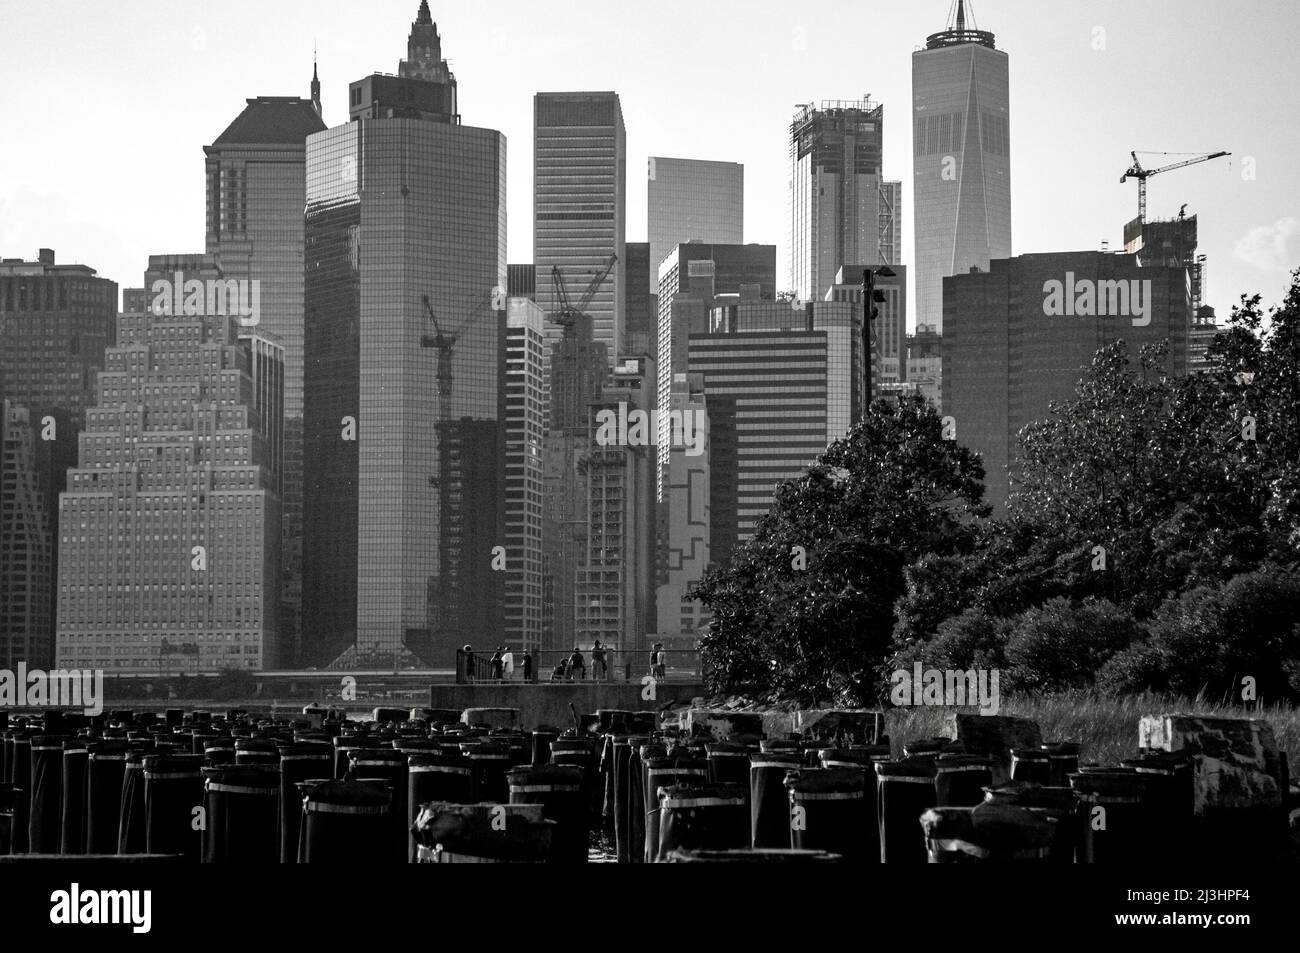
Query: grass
[[1105, 727]]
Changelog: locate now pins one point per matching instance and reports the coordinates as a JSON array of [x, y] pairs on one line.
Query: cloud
[[1265, 245]]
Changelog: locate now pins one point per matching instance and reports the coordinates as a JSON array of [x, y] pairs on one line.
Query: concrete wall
[[548, 703]]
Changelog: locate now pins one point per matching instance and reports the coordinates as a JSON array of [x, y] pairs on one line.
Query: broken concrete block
[[994, 736], [860, 727], [722, 725], [492, 717], [1237, 762]]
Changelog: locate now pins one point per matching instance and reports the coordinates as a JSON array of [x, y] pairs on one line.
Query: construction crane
[[446, 343], [567, 312], [1136, 171]]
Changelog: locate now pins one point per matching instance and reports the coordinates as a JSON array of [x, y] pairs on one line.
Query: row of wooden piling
[[438, 789]]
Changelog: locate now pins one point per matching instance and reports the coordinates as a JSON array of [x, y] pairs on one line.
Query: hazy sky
[[107, 106]]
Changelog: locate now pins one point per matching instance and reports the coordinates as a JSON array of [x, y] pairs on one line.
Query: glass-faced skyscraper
[[580, 206], [405, 273], [693, 200], [961, 161], [835, 184]]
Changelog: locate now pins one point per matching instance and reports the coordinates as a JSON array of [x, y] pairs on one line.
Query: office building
[[961, 160], [524, 416], [835, 191], [614, 588], [1018, 337], [580, 207], [780, 383], [689, 279], [686, 518], [255, 187], [925, 363], [890, 232], [55, 323], [889, 329], [693, 200], [521, 281], [641, 330], [26, 543], [424, 87], [405, 269], [170, 538]]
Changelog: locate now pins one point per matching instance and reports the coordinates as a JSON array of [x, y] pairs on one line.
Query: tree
[[805, 608]]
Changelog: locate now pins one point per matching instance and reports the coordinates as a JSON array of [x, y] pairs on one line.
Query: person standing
[[658, 668], [469, 663], [528, 665], [599, 669], [497, 663], [508, 663]]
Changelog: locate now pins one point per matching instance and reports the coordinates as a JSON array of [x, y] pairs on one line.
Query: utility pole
[[870, 298]]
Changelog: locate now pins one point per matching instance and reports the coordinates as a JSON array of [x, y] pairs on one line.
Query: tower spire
[[424, 16], [961, 14], [315, 82]]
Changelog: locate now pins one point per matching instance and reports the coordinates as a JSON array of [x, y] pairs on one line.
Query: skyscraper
[[961, 160], [693, 200], [26, 544], [255, 183], [835, 184], [686, 518], [579, 206], [1007, 353], [689, 278], [641, 329], [405, 269], [524, 414], [780, 384], [55, 323], [177, 538]]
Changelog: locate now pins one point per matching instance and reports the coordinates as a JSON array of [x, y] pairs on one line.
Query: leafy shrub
[[1063, 644]]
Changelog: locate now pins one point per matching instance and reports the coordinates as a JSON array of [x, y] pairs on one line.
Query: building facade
[[26, 544], [524, 417], [170, 535], [580, 206], [255, 186], [961, 160], [55, 323], [835, 191], [686, 517], [405, 266], [1012, 344], [693, 200], [781, 383]]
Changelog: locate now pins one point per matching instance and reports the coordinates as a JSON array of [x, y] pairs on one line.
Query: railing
[[549, 666]]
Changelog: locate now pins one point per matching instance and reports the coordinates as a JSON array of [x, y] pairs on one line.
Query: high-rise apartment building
[[580, 206], [781, 383], [835, 191], [693, 200], [524, 415], [55, 323], [255, 187], [961, 160], [405, 269], [614, 588], [1019, 336], [170, 537], [26, 543]]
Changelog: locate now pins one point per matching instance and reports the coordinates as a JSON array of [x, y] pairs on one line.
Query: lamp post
[[870, 298]]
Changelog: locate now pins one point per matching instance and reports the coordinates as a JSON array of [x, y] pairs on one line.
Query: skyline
[[1200, 89]]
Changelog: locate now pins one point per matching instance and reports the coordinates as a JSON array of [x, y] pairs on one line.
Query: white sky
[[107, 106]]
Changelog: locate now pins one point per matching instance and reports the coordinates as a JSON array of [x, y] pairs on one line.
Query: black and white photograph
[[741, 432]]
